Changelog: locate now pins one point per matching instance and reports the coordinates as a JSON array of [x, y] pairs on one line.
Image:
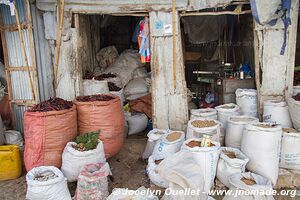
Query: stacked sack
[[160, 145], [224, 112]]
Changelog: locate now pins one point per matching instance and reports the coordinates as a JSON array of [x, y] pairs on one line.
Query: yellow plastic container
[[10, 162]]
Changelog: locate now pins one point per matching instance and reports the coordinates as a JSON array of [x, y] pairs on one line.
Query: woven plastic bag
[[92, 182]]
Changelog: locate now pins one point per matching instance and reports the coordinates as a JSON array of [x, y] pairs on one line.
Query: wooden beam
[[14, 27], [215, 13], [23, 68]]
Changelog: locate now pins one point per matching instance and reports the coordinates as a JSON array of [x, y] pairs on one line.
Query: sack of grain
[[124, 65], [199, 127], [235, 129], [92, 182], [225, 111], [137, 123], [154, 177], [46, 134], [14, 137], [136, 88], [107, 56], [104, 113], [277, 112], [169, 143], [153, 136], [208, 113], [246, 99], [253, 185], [290, 149], [91, 87], [261, 144], [47, 182], [294, 109], [206, 157], [232, 161], [73, 160]]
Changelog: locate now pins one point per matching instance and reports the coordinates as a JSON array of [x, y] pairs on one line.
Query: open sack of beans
[[92, 182], [154, 177], [102, 113], [48, 127], [251, 184], [203, 150], [169, 143], [232, 161], [261, 144], [47, 182], [86, 149], [294, 109], [199, 127], [290, 149]]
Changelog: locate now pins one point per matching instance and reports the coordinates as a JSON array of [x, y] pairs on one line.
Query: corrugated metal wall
[[18, 81]]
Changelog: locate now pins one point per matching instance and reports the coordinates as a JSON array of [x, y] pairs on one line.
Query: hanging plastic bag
[[92, 182]]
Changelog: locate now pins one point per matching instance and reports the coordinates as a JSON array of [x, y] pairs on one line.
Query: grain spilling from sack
[[248, 181]]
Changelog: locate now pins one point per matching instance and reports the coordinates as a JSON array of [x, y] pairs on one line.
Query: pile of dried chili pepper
[[98, 97], [113, 87], [53, 104]]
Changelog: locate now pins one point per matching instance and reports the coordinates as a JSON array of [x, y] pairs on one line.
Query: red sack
[[106, 116], [46, 135]]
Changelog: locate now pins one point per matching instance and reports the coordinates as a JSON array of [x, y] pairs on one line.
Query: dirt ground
[[127, 167]]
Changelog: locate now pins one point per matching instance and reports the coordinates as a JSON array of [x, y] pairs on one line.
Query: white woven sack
[[52, 189], [73, 160], [262, 146]]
